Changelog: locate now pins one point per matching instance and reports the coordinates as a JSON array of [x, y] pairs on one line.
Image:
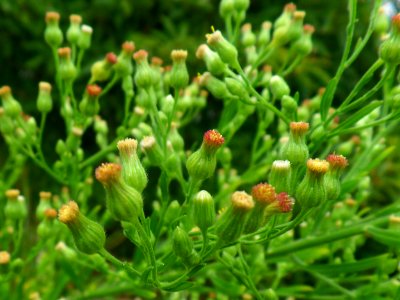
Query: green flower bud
[[216, 87], [6, 123], [168, 105], [248, 37], [67, 252], [173, 212], [15, 208], [53, 34], [279, 87], [138, 115], [89, 105], [89, 236], [132, 169], [389, 50], [67, 69], [285, 18], [213, 62], [303, 46], [266, 77], [226, 8], [74, 139], [123, 202], [152, 150], [264, 36], [311, 192], [201, 164], [237, 88], [74, 31], [289, 106], [12, 108], [85, 38], [230, 225], [225, 156], [178, 143], [225, 49], [263, 195], [203, 210], [44, 102], [123, 67], [381, 22], [101, 70], [44, 204], [45, 229], [337, 163], [144, 74], [241, 5], [296, 150], [280, 175], [179, 75], [183, 248]]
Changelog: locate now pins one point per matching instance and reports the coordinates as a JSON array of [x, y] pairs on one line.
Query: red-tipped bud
[[213, 140], [111, 58], [299, 128], [337, 162], [140, 55], [93, 90]]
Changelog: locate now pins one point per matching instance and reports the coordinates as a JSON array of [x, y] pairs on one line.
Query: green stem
[[115, 261]]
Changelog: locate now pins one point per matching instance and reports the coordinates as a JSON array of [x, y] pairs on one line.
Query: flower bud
[[74, 31], [132, 169], [101, 70], [67, 68], [216, 87], [237, 88], [15, 208], [179, 75], [225, 49], [183, 248], [337, 163], [263, 195], [123, 67], [44, 204], [144, 74], [282, 204], [389, 50], [264, 36], [12, 108], [173, 212], [178, 143], [285, 18], [44, 102], [248, 37], [201, 164], [296, 150], [152, 150], [311, 192], [279, 87], [53, 34], [89, 236], [5, 257], [46, 227], [123, 202], [213, 62], [85, 37], [280, 175], [303, 46], [203, 210], [241, 5], [289, 106], [6, 123], [381, 22], [226, 8], [89, 105], [230, 225]]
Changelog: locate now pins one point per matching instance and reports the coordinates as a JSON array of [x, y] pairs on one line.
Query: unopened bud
[[89, 236], [203, 210], [53, 34], [225, 49], [179, 76], [74, 30]]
